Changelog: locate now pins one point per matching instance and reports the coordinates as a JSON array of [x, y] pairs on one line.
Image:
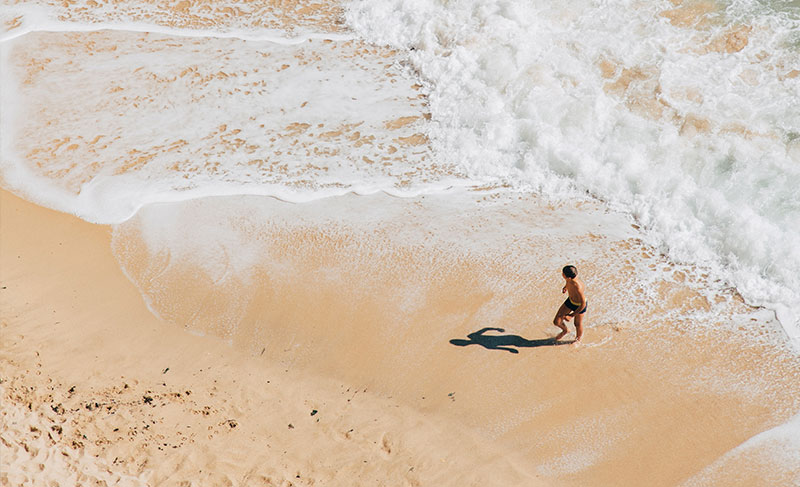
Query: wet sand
[[96, 388]]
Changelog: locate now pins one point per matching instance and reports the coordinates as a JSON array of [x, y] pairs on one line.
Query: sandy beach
[[96, 388]]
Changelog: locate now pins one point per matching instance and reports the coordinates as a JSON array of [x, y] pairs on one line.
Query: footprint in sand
[[386, 445]]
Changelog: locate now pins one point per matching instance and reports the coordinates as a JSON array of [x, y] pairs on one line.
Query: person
[[574, 306]]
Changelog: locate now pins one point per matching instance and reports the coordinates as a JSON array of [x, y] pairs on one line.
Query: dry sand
[[96, 389]]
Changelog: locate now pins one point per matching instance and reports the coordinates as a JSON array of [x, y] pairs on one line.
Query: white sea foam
[[684, 118], [233, 18], [38, 21], [101, 123]]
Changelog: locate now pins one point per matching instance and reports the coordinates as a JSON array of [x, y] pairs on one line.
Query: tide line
[[273, 36]]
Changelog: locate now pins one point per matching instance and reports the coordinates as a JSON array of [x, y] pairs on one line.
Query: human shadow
[[504, 342]]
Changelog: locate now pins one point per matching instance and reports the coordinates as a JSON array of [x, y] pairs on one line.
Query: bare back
[[575, 290]]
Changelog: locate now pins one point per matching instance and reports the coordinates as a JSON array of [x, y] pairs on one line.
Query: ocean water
[[685, 116], [681, 115]]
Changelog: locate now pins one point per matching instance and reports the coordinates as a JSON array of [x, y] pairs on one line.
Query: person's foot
[[575, 343], [560, 336]]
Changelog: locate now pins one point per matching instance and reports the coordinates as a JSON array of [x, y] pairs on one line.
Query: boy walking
[[574, 306]]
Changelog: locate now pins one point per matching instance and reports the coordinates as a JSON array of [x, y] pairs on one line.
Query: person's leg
[[578, 327], [559, 321]]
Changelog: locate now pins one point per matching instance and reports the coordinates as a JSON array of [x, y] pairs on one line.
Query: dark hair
[[570, 271]]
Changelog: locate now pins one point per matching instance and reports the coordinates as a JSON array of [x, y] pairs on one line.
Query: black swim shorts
[[573, 307]]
